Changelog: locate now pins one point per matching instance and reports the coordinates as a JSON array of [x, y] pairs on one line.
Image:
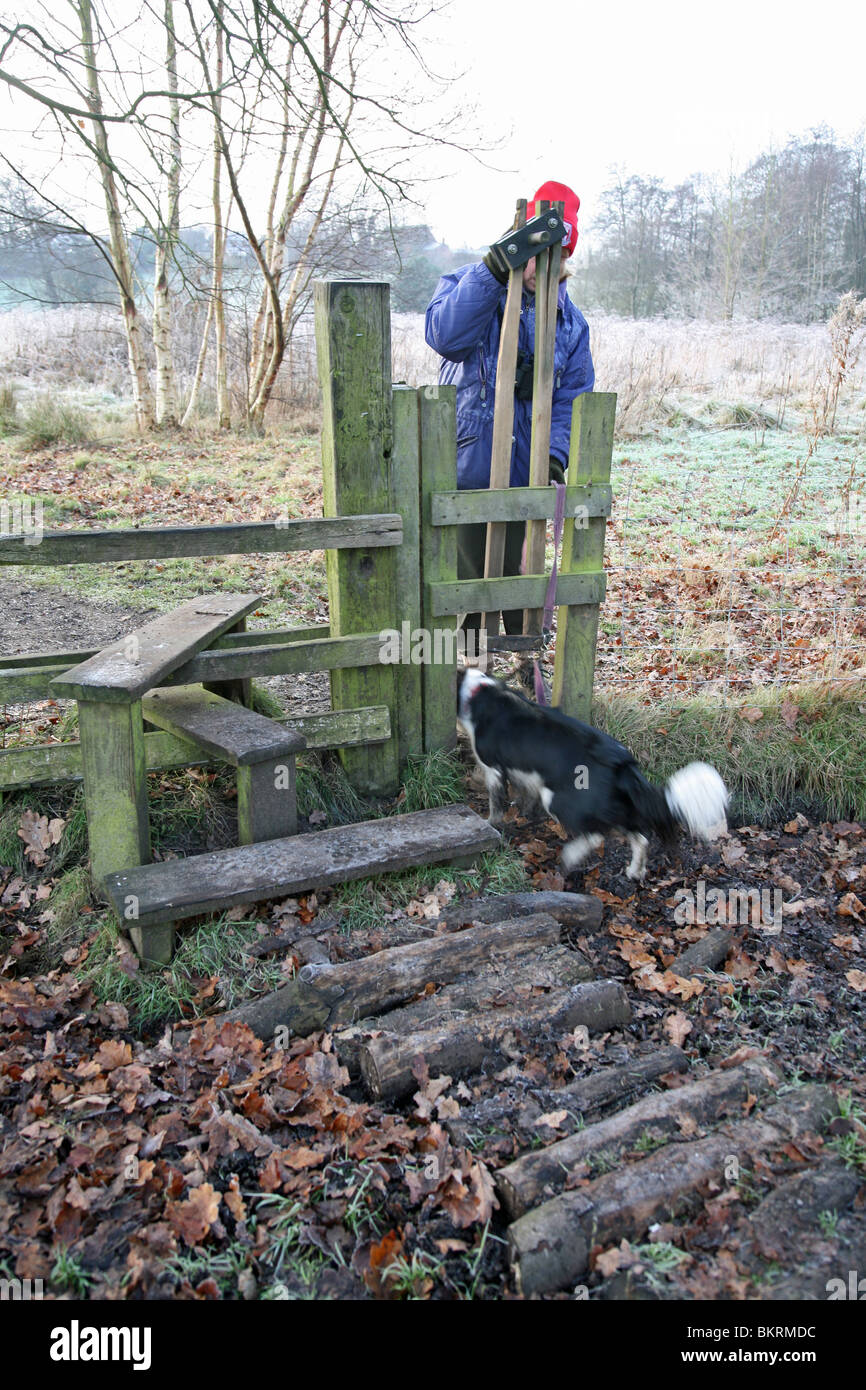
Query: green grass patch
[[815, 760], [433, 779], [364, 902], [210, 950]]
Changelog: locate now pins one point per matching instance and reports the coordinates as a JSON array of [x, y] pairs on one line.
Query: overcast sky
[[667, 87]]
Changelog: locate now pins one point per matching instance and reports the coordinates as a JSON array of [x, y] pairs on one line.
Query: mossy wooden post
[[592, 427], [353, 342], [406, 477], [115, 797], [438, 419]]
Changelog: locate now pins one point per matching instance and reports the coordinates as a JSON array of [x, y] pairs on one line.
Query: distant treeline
[[784, 239], [46, 261]]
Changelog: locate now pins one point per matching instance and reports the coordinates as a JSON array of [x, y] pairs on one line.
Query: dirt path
[[44, 620], [48, 619]]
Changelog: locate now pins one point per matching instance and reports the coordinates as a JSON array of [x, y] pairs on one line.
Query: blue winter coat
[[463, 326]]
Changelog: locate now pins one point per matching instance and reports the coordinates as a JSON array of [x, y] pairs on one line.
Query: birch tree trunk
[[166, 243], [199, 368], [121, 261], [219, 245]]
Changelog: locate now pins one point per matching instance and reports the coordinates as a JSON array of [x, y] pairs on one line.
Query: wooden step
[[262, 750], [228, 730], [138, 662], [151, 897]]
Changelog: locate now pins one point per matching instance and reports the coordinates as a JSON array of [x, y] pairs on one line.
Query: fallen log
[[591, 1095], [325, 996], [536, 1177], [705, 954], [517, 1113], [550, 1246], [569, 909], [501, 986], [460, 1046]]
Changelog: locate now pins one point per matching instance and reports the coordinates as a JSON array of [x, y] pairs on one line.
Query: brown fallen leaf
[[193, 1218], [39, 834], [553, 1119], [751, 714], [857, 980], [677, 1027]]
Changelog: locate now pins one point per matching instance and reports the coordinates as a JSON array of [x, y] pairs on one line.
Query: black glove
[[556, 472], [497, 267]]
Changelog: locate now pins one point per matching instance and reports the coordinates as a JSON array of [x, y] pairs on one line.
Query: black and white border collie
[[583, 778]]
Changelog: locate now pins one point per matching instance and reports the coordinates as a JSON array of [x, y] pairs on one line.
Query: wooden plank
[[270, 637], [519, 591], [23, 684], [325, 654], [353, 342], [115, 785], [26, 662], [592, 428], [211, 882], [546, 292], [406, 481], [267, 801], [36, 659], [19, 684], [174, 542], [136, 663], [438, 414], [503, 418], [54, 763], [517, 504], [228, 731]]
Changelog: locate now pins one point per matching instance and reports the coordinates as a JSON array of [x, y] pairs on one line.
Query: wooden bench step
[[227, 730], [152, 895], [262, 750], [135, 664]]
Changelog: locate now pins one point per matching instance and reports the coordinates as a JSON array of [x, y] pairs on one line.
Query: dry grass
[[664, 371]]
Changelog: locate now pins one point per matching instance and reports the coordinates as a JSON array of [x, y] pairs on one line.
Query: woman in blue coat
[[463, 323]]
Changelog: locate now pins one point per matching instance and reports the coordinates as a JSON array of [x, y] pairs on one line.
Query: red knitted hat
[[559, 193]]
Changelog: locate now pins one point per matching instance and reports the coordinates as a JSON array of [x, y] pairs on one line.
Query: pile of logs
[[492, 978]]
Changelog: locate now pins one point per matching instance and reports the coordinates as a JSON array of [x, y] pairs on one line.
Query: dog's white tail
[[698, 799]]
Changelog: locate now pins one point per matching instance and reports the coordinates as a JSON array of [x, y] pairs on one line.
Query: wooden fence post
[[592, 427], [438, 416], [353, 343], [115, 785], [408, 718]]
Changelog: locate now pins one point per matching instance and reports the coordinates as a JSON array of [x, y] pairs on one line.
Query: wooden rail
[[177, 542]]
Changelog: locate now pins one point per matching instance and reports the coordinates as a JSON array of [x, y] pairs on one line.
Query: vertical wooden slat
[[546, 293], [353, 341], [438, 417], [503, 420], [115, 785], [407, 717], [583, 550]]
